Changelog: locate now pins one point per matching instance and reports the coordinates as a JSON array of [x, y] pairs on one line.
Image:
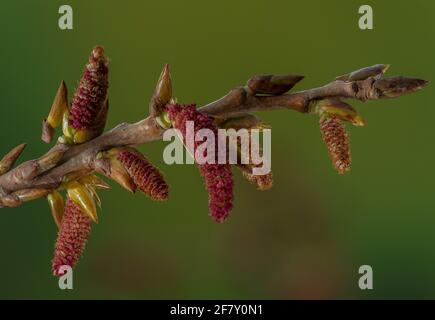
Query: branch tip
[[9, 159], [394, 87]]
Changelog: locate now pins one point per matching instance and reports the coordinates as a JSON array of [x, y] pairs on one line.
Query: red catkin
[[72, 236], [337, 141], [146, 177], [90, 96], [263, 182], [218, 177]]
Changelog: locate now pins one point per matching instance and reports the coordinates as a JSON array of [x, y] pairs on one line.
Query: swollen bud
[[108, 165], [81, 195], [9, 159], [162, 93], [56, 203], [31, 194], [397, 86], [274, 85], [31, 169], [337, 108], [163, 120], [68, 132], [18, 197], [50, 160], [54, 118], [10, 200], [375, 72]]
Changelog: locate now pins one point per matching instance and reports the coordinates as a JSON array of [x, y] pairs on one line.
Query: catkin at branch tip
[[145, 176], [263, 182], [72, 237], [337, 141], [218, 177], [90, 96]]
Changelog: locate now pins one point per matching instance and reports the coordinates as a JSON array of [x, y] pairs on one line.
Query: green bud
[[163, 120], [56, 203], [338, 108], [54, 118], [81, 195], [162, 93], [59, 106], [68, 132]]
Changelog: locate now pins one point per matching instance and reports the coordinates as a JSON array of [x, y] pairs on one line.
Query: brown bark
[[47, 173]]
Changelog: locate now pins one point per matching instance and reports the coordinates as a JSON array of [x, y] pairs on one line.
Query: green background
[[305, 238]]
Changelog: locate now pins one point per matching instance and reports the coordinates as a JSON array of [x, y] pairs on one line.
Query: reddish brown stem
[[240, 100]]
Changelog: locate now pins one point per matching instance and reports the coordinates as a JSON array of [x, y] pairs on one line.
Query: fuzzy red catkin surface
[[91, 93], [218, 177], [146, 177], [72, 236], [337, 141]]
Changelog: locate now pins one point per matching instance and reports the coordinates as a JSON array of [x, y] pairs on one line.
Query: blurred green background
[[305, 238]]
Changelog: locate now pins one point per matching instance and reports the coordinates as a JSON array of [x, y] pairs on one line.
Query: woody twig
[[237, 102], [84, 150]]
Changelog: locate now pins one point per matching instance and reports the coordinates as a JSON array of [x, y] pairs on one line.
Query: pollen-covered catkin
[[218, 177], [337, 141], [145, 176], [91, 94], [72, 237], [263, 182]]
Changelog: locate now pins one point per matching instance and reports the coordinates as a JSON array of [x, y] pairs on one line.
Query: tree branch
[[240, 100], [48, 171]]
